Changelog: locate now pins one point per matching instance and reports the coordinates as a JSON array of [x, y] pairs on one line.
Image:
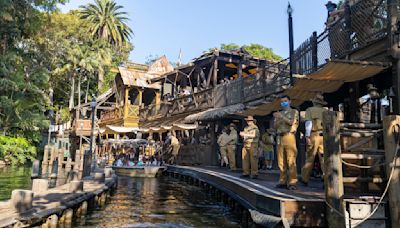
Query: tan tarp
[[327, 80], [214, 113], [117, 129]]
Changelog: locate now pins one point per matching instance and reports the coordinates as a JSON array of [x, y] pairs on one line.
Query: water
[[14, 178], [160, 202]]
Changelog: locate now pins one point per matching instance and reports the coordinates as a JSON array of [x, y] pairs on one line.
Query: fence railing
[[351, 28]]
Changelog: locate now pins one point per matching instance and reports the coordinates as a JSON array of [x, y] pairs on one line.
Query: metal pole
[[291, 46]]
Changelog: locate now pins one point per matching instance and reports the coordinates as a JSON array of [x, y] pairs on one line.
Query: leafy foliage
[[17, 151], [107, 22], [256, 50]]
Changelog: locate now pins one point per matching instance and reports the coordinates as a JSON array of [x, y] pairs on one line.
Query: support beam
[[126, 102], [391, 129], [333, 178], [215, 72], [394, 51]]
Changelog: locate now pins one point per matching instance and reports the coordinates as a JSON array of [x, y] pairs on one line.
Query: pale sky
[[163, 27]]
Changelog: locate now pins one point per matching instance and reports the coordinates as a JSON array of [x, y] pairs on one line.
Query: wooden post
[[394, 51], [140, 97], [240, 70], [314, 49], [333, 178], [215, 72], [391, 128], [126, 102]]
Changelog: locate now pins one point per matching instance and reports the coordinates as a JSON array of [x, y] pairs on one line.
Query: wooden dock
[[58, 206], [302, 207]]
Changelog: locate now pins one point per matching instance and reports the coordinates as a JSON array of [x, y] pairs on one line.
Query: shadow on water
[[12, 177], [160, 202]]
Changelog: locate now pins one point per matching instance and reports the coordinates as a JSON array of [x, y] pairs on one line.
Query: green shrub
[[16, 151]]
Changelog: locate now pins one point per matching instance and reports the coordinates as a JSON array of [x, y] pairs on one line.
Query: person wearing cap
[[286, 123], [223, 147], [314, 137], [250, 136], [231, 147], [268, 142]]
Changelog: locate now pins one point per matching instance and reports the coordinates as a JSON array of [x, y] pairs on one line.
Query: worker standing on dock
[[233, 138], [222, 141], [286, 123], [250, 136], [314, 137], [175, 146]]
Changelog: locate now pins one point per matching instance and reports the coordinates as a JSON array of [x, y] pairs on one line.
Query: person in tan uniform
[[175, 146], [286, 123], [250, 136], [314, 137], [223, 147], [232, 147], [268, 142]]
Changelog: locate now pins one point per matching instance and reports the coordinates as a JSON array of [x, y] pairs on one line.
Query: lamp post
[[291, 46], [93, 105]]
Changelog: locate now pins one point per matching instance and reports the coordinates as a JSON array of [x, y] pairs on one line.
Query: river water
[[159, 202], [141, 202], [14, 178]]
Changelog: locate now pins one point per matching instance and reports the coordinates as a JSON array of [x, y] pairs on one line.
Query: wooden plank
[[362, 156], [361, 125], [333, 178], [375, 180], [390, 132]]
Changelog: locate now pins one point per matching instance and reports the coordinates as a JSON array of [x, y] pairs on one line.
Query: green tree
[[256, 50], [16, 151], [106, 22], [23, 70]]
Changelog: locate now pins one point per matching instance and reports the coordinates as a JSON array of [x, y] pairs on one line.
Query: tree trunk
[[87, 90], [101, 78], [72, 97]]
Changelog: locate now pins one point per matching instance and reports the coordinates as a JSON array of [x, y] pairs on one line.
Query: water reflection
[[12, 177], [160, 202]]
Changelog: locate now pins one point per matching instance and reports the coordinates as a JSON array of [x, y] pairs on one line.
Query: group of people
[[282, 135]]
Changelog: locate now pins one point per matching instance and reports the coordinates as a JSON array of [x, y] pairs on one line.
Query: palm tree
[[107, 22]]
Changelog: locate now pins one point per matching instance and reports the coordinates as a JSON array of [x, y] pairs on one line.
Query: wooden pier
[[267, 206], [57, 207]]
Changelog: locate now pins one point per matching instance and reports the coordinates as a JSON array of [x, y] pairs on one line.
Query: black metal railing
[[351, 28]]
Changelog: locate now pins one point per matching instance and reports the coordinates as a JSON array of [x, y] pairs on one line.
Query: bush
[[16, 151]]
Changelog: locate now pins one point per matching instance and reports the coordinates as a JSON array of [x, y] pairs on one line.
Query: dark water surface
[[160, 202], [14, 178]]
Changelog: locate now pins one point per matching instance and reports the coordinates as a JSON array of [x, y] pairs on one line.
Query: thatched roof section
[[215, 113]]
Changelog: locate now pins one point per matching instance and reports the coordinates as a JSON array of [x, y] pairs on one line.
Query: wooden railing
[[198, 101], [355, 27], [117, 113]]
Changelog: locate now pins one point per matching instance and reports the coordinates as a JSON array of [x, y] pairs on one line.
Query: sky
[[164, 27]]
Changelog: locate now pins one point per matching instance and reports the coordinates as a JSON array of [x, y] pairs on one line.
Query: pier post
[[391, 131], [35, 169], [333, 178], [40, 185], [21, 200], [45, 162], [77, 160]]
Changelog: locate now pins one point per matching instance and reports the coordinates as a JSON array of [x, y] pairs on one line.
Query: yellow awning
[[327, 80]]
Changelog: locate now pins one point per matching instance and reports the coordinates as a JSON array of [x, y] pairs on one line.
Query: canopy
[[119, 129], [327, 80], [215, 113]]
